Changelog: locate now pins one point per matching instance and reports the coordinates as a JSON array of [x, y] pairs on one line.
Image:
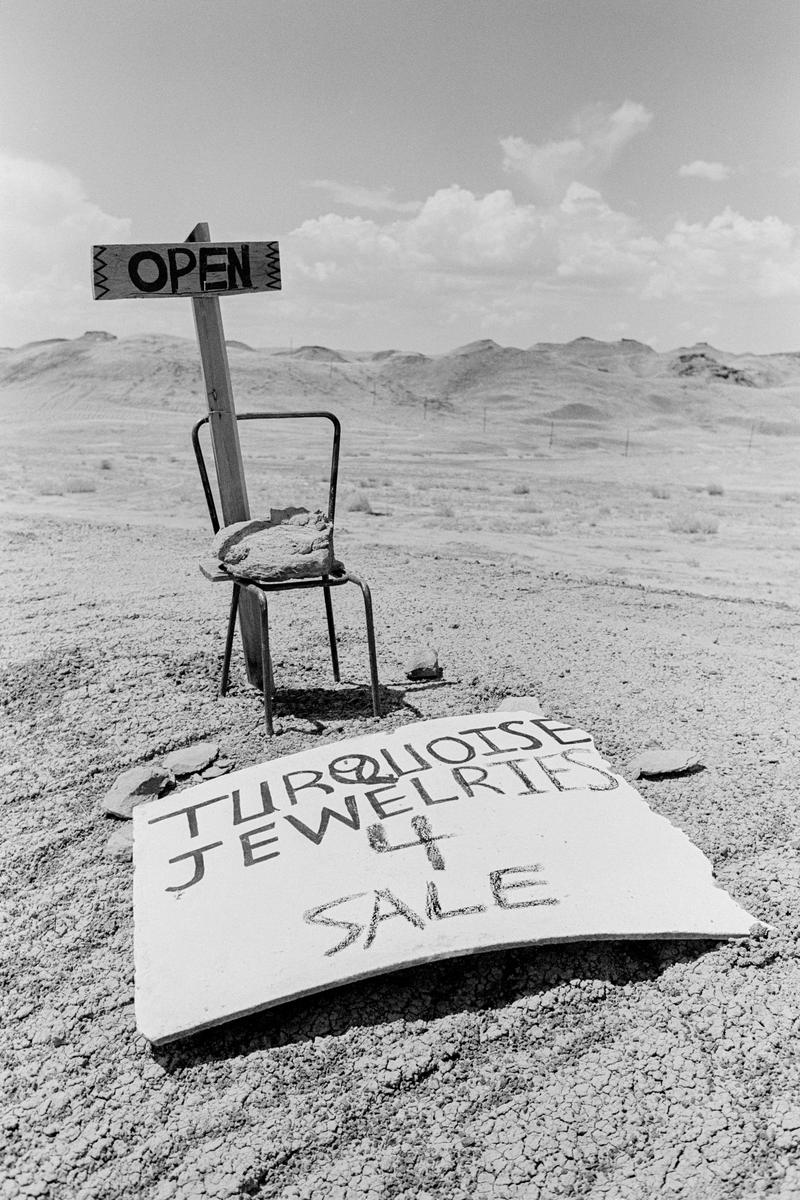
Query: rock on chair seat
[[292, 543]]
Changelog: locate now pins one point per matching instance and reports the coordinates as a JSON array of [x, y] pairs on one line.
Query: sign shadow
[[419, 995]]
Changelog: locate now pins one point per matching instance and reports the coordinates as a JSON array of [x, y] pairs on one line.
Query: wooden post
[[227, 451]]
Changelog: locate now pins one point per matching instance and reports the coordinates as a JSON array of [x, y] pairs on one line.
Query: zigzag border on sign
[[100, 277], [272, 264]]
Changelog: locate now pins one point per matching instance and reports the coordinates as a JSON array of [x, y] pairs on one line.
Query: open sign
[[185, 269]]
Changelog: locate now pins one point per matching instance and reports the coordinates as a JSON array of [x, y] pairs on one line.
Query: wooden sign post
[[203, 271]]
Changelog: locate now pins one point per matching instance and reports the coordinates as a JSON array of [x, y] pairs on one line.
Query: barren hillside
[[611, 530]]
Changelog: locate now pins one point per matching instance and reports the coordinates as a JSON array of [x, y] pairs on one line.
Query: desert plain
[[608, 529]]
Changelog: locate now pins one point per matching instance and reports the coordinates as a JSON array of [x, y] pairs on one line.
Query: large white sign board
[[349, 860]]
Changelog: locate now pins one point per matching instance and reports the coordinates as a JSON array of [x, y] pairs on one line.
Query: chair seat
[[215, 572]]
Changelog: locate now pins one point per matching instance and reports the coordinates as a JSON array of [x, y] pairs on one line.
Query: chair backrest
[[280, 416]]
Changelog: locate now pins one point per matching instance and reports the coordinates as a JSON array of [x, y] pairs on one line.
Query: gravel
[[591, 1070]]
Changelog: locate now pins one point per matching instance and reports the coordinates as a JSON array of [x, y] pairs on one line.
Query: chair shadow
[[429, 991], [341, 701], [336, 701]]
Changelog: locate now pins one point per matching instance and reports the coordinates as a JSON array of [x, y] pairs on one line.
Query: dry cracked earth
[[614, 1070]]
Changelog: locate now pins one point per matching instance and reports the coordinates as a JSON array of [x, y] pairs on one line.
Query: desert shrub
[[658, 491], [444, 510], [79, 483], [50, 488], [520, 489], [529, 506], [106, 464], [778, 428], [359, 503], [693, 523], [715, 489]]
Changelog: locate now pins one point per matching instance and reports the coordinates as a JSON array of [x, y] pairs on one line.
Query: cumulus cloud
[[596, 138], [490, 262], [700, 169], [458, 233], [731, 257], [47, 228], [373, 199], [480, 240]]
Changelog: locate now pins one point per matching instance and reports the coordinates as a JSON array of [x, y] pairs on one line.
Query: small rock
[[654, 762], [191, 758], [528, 704], [120, 844], [213, 771], [423, 663], [135, 786]]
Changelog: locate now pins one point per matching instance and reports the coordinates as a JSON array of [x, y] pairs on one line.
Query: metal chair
[[216, 573]]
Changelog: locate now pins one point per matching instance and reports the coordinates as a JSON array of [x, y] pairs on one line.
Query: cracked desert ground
[[613, 531]]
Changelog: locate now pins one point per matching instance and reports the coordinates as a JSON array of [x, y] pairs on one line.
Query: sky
[[435, 172]]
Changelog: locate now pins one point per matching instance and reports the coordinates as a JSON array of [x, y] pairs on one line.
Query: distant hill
[[484, 346], [581, 381], [314, 354]]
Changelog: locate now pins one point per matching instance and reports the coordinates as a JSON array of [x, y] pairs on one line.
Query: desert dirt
[[586, 524]]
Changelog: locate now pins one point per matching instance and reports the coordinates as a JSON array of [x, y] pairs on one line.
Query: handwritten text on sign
[[185, 269], [443, 838]]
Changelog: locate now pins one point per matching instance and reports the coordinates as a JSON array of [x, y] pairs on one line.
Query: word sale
[[386, 905]]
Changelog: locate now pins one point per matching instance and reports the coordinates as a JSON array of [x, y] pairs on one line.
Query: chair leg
[[226, 662], [373, 661], [266, 666], [331, 632]]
